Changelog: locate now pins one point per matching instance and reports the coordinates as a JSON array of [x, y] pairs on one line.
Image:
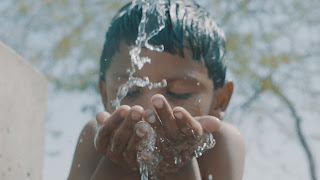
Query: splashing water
[[208, 142], [145, 155], [210, 177], [177, 159], [152, 22]]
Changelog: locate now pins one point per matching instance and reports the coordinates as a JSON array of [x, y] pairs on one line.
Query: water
[[146, 157], [208, 142], [177, 159], [152, 22]]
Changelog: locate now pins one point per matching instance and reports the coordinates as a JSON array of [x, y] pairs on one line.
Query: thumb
[[209, 123]]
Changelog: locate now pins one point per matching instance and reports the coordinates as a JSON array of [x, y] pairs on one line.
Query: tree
[[273, 51]]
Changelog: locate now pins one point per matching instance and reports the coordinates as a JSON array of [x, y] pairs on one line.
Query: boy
[[182, 113]]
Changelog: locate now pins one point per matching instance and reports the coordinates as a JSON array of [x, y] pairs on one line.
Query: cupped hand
[[178, 133], [119, 134]]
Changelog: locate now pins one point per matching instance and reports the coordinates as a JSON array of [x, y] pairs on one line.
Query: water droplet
[[163, 83], [144, 172], [112, 146], [80, 141], [210, 177], [198, 83], [78, 165], [197, 154], [177, 159], [208, 143], [192, 132]]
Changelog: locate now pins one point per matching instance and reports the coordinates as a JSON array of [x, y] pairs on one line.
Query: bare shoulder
[[226, 160], [86, 158]]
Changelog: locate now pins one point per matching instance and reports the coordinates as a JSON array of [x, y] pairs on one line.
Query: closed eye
[[132, 93], [178, 95]]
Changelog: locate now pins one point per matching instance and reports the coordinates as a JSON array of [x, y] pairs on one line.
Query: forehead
[[163, 66]]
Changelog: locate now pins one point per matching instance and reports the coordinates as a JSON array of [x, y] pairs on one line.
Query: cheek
[[204, 106], [109, 107]]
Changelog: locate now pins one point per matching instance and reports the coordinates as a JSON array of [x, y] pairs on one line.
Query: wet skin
[[188, 104], [178, 112]]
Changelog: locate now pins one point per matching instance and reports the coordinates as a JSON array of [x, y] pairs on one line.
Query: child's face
[[188, 84]]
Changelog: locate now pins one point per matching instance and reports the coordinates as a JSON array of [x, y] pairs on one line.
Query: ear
[[221, 100], [103, 92]]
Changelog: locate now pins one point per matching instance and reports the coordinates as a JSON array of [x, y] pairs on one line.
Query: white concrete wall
[[22, 117]]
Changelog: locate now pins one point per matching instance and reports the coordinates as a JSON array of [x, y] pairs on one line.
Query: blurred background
[[273, 58]]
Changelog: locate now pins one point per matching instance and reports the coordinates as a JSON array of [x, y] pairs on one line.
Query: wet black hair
[[187, 26]]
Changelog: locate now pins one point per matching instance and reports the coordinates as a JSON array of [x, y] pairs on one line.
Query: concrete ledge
[[22, 117]]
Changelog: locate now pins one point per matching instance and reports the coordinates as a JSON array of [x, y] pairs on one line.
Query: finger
[[141, 131], [165, 115], [122, 135], [149, 116], [102, 116], [187, 124], [209, 123], [109, 124], [115, 119]]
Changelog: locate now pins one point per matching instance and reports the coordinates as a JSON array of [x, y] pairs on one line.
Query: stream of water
[[152, 22]]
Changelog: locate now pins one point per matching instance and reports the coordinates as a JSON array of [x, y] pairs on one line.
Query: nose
[[146, 101]]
